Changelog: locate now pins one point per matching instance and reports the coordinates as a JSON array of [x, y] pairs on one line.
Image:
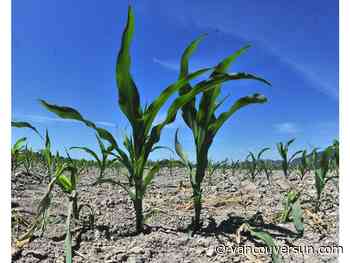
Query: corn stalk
[[203, 121], [17, 154], [293, 211], [255, 163], [321, 167], [234, 167], [304, 166], [286, 161]]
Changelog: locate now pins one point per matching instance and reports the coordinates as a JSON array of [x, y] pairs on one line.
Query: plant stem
[[139, 214]]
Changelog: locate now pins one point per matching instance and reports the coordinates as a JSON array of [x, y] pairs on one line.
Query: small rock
[[211, 252], [136, 250], [134, 259]]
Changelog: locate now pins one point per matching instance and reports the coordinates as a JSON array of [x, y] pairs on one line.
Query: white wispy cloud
[[287, 127], [324, 79], [170, 65]]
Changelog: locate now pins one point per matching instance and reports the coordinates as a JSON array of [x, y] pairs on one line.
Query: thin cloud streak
[[287, 127], [44, 119], [167, 64]]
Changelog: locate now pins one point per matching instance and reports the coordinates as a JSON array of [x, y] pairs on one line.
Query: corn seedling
[[261, 235], [16, 153], [102, 163], [17, 148], [267, 168], [212, 167], [304, 166], [293, 211], [224, 166], [335, 157], [254, 163], [203, 121], [283, 152], [144, 133], [234, 167], [321, 168], [28, 158], [48, 156], [68, 184], [46, 152]]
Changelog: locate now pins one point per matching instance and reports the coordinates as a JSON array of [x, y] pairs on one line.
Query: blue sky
[[65, 51]]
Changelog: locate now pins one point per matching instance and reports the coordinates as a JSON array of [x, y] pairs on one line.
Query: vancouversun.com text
[[222, 250]]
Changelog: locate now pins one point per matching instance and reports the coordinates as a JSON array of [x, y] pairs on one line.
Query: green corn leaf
[[64, 183], [149, 177], [100, 144], [187, 97], [129, 98], [179, 150], [90, 152], [19, 144], [244, 101], [189, 110], [62, 180], [261, 152], [221, 102], [47, 141], [187, 54], [162, 147], [129, 190], [22, 124], [319, 182], [297, 216], [294, 155], [207, 104], [70, 113], [289, 143], [223, 66], [251, 156], [268, 240], [280, 149], [154, 108]]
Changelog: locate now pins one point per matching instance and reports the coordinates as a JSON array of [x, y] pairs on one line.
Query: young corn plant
[[260, 235], [234, 167], [68, 185], [145, 133], [28, 158], [212, 167], [224, 166], [17, 156], [49, 158], [321, 167], [335, 158], [267, 168], [304, 166], [293, 211], [204, 122], [28, 162], [102, 163], [283, 151], [255, 163]]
